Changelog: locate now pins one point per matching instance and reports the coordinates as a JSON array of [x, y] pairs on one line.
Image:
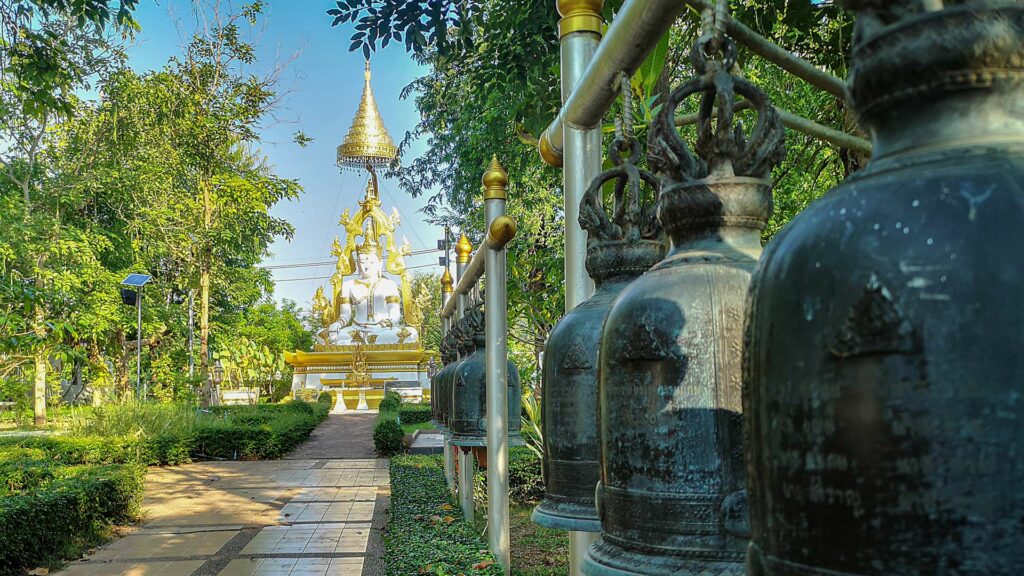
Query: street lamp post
[[137, 281]]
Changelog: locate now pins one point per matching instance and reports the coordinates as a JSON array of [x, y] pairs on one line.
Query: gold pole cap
[[580, 16], [446, 282], [463, 249], [548, 153], [501, 231], [495, 181]]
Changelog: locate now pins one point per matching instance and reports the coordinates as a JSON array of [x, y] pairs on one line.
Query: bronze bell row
[[618, 250], [459, 399], [467, 419], [875, 354]]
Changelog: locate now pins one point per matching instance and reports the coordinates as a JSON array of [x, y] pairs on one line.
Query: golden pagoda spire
[[463, 249], [446, 282], [367, 144]]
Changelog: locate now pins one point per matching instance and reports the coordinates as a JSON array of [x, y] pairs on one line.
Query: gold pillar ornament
[[580, 16], [495, 181], [367, 144], [446, 282], [464, 250]]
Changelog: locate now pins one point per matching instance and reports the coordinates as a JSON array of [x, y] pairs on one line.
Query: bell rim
[[548, 518], [628, 562]]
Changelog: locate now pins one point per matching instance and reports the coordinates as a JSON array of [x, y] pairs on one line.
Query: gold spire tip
[[495, 180], [447, 282], [463, 249], [367, 142]]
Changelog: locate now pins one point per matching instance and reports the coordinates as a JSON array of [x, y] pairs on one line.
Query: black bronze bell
[[618, 250], [884, 373], [438, 395], [672, 497], [469, 391]]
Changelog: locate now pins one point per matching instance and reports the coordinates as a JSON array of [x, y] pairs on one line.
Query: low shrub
[[390, 402], [235, 432], [59, 519], [426, 534], [387, 434], [525, 479], [414, 413], [325, 398]]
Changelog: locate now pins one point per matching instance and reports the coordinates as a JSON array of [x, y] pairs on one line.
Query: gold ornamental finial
[[579, 16], [446, 282], [463, 249], [367, 144], [495, 181]]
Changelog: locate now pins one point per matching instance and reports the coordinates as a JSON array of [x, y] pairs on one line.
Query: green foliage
[[426, 535], [525, 478], [390, 402], [135, 434], [325, 398], [161, 175], [414, 413], [251, 365], [60, 518], [387, 434]]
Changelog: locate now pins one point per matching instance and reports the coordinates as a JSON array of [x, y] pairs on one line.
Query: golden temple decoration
[[495, 181], [463, 249], [367, 144], [446, 282], [580, 16]]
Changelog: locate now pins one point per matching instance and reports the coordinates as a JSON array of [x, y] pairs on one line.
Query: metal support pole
[[578, 544], [580, 35], [139, 388], [496, 327], [449, 457], [463, 251], [467, 466], [580, 31]]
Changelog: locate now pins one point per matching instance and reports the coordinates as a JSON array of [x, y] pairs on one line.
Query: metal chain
[[624, 135]]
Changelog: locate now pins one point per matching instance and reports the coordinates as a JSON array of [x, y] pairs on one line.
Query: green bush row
[[414, 413], [236, 432], [426, 534], [387, 434], [61, 518]]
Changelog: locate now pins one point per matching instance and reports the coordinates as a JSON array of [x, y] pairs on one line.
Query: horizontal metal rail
[[500, 233], [801, 124], [637, 29]]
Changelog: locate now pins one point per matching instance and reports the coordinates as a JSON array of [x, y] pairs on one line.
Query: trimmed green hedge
[[414, 413], [60, 518], [426, 533], [235, 432], [325, 398], [387, 434], [390, 402]]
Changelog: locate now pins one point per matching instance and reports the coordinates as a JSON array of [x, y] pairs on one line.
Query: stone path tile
[[142, 546], [175, 568], [294, 567], [311, 515]]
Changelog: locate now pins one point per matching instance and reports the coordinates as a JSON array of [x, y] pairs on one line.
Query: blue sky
[[323, 82]]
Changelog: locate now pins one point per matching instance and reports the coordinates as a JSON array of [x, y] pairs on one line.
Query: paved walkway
[[318, 513]]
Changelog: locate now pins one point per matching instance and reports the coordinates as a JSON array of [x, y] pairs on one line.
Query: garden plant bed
[[62, 494]]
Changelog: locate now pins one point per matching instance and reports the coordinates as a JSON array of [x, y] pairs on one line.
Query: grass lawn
[[536, 551], [410, 428]]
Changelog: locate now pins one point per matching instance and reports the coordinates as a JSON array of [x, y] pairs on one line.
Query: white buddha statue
[[370, 310]]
